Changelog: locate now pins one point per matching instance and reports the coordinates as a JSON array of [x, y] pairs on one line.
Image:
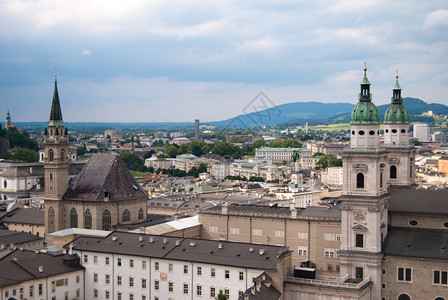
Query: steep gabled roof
[[56, 112], [104, 173]]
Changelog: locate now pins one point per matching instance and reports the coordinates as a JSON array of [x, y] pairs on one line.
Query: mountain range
[[314, 113]]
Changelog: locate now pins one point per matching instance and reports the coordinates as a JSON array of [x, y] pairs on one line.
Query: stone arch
[[106, 220], [87, 219], [393, 172], [51, 220], [126, 216], [404, 297], [360, 180], [73, 218]]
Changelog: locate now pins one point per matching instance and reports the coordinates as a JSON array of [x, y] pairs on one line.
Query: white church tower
[[364, 200]]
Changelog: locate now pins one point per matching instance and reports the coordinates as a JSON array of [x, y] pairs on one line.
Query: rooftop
[[241, 255], [25, 216], [418, 201]]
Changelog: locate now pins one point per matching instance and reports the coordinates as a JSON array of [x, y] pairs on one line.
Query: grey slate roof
[[416, 242], [262, 289], [25, 216], [407, 200], [26, 264], [8, 237], [187, 249], [104, 172], [56, 113]]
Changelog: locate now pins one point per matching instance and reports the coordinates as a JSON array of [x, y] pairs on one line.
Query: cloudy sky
[[159, 60]]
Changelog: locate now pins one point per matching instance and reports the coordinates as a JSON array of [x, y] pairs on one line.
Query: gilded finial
[[396, 76], [365, 66], [55, 74]]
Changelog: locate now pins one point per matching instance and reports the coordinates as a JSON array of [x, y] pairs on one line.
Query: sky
[[172, 61]]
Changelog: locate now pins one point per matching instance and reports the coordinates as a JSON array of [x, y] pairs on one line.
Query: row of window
[[280, 234], [40, 287], [328, 252], [126, 216], [405, 275], [372, 132], [199, 292]]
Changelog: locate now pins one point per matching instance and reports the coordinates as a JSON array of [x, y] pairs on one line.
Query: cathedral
[[103, 195]]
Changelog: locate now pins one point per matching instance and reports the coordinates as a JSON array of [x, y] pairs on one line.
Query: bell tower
[[364, 201], [401, 161], [56, 165]]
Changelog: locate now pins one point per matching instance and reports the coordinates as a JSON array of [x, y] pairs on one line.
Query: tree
[[80, 150], [221, 296], [171, 151], [328, 161], [27, 155]]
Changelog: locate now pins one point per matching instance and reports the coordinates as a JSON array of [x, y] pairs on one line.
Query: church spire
[[396, 98], [365, 87], [56, 113]]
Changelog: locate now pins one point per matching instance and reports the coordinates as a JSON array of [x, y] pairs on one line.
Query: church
[[103, 195]]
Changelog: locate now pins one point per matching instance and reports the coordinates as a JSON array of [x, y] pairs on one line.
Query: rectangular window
[[131, 263], [241, 276], [199, 290], [95, 277], [170, 286], [226, 274], [95, 259], [86, 258], [170, 267], [212, 272], [106, 261], [213, 228], [107, 279], [303, 235], [144, 264], [143, 283], [227, 293], [66, 281], [131, 281], [143, 297], [234, 230], [404, 274], [119, 280], [302, 250], [338, 237], [119, 262], [440, 277], [185, 269], [95, 293], [212, 292], [31, 291], [78, 292], [360, 240], [107, 294], [329, 237], [156, 285], [185, 288], [156, 266], [199, 271], [119, 296], [329, 252], [77, 278], [131, 296], [280, 234], [257, 232], [40, 289]]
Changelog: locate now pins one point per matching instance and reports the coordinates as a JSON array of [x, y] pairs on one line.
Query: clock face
[[360, 216]]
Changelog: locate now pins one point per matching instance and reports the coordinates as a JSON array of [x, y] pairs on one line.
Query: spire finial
[[396, 76], [55, 74], [365, 66]]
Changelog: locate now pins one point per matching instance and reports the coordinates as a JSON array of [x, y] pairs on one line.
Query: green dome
[[365, 112], [396, 114]]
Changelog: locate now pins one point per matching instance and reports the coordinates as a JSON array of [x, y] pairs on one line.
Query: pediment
[[359, 227]]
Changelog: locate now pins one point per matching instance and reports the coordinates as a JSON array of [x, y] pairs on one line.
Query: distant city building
[[160, 134], [160, 163], [439, 137], [196, 130], [421, 132], [332, 176], [220, 170], [280, 155], [266, 171], [109, 132], [239, 138], [180, 141], [177, 134]]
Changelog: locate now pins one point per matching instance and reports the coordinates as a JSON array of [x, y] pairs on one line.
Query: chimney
[[294, 212], [224, 208]]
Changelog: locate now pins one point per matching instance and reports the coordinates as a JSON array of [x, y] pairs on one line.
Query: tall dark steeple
[[56, 113]]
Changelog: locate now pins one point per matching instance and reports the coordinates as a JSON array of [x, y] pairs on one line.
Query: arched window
[[360, 181], [51, 224], [126, 216], [106, 220], [439, 298], [404, 297], [393, 172], [5, 184], [62, 154], [140, 214], [50, 155], [88, 219], [73, 218]]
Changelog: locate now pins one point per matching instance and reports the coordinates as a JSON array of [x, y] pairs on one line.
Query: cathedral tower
[[396, 139], [364, 201], [55, 165]]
